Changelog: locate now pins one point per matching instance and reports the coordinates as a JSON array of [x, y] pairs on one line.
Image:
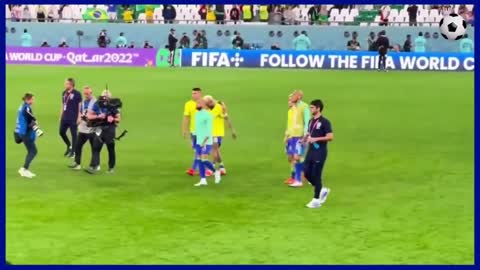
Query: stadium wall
[[322, 37], [288, 59]]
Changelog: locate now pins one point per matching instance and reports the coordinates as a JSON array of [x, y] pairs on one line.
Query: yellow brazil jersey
[[190, 111], [218, 121], [298, 120], [289, 122]]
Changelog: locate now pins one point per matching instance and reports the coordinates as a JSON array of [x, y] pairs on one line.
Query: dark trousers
[[382, 57], [106, 137], [31, 150], [313, 172], [64, 126], [82, 139], [171, 57]]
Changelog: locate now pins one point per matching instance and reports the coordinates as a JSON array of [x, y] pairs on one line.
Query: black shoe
[[67, 153]]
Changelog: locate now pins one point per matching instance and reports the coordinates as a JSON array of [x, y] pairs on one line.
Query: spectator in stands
[[471, 16], [211, 13], [63, 44], [67, 12], [26, 39], [384, 13], [446, 10], [396, 48], [420, 43], [353, 44], [45, 44], [184, 41], [247, 12], [289, 16], [313, 14], [407, 46], [121, 41], [146, 45], [302, 42], [103, 40], [466, 44], [16, 13], [169, 13], [412, 15], [220, 14], [275, 47], [371, 42], [263, 13], [41, 13], [235, 14], [202, 11], [149, 10], [128, 15], [52, 13], [132, 45], [112, 12], [276, 16], [237, 42], [26, 15], [463, 11]]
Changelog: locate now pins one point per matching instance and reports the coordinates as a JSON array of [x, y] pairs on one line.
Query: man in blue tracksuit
[[26, 131]]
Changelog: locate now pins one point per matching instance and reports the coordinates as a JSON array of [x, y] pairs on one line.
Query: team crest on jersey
[[319, 124], [71, 96]]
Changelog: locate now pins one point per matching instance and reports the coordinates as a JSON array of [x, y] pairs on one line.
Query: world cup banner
[[81, 56], [348, 60]]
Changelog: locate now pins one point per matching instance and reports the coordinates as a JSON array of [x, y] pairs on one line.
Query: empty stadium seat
[[334, 12], [141, 18], [344, 12], [354, 12]]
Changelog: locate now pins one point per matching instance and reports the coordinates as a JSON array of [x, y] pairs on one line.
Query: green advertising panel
[[162, 58]]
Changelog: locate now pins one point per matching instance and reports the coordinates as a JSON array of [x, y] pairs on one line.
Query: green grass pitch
[[400, 169]]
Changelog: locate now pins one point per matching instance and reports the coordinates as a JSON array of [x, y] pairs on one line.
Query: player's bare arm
[[229, 121], [185, 124]]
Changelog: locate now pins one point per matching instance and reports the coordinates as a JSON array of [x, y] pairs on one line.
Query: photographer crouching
[[26, 131], [104, 118]]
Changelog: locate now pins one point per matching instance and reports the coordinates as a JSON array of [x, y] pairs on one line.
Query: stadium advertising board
[[81, 56], [326, 60]]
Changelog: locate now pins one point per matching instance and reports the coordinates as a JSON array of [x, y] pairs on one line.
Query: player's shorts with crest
[[199, 150], [194, 140], [218, 140], [293, 146]]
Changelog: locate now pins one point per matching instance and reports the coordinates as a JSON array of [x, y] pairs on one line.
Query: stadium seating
[[359, 15]]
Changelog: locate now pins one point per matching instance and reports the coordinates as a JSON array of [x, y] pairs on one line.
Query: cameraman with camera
[[26, 131], [104, 117], [85, 133]]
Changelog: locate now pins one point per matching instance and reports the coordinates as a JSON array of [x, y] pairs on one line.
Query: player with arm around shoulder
[[203, 147], [218, 109]]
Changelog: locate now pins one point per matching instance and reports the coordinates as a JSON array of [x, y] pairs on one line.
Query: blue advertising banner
[[326, 60]]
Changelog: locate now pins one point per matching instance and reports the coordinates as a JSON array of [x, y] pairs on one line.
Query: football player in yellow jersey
[[188, 124], [300, 118], [219, 111], [287, 140]]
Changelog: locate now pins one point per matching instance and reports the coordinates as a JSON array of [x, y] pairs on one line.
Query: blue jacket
[[24, 121]]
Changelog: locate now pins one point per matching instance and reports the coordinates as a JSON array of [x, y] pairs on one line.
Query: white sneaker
[[203, 182], [26, 173], [314, 203], [97, 168], [324, 194], [296, 184], [218, 177]]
